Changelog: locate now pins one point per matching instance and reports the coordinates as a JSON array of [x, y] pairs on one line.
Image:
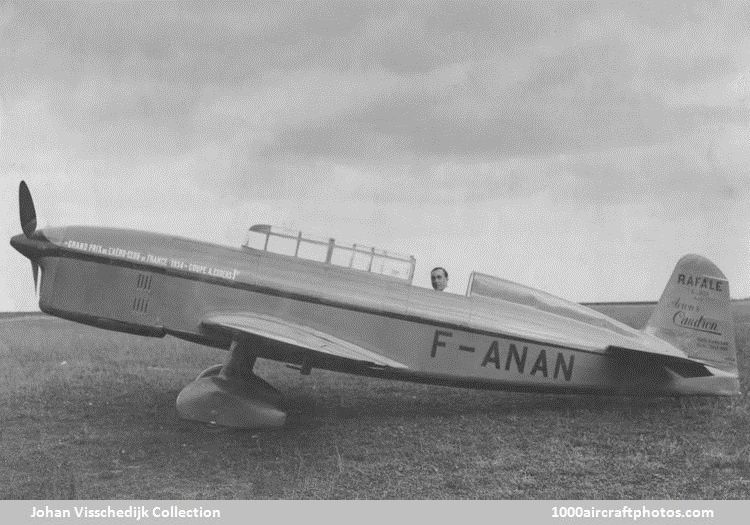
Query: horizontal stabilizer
[[296, 335], [684, 367]]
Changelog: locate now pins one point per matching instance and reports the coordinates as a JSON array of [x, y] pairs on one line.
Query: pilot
[[439, 278]]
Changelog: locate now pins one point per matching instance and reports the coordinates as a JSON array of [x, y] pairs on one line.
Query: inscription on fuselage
[[110, 251], [151, 259], [511, 356]]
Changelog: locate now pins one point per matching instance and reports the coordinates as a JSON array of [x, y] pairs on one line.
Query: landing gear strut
[[232, 395]]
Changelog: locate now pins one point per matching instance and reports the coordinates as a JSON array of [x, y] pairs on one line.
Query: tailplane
[[695, 315]]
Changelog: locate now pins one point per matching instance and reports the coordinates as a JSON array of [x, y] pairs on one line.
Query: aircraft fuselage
[[154, 285]]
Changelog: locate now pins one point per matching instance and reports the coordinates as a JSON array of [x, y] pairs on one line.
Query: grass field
[[89, 414]]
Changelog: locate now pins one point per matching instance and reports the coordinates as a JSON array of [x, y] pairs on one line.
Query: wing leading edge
[[296, 335]]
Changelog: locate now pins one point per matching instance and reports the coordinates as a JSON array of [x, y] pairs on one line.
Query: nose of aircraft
[[41, 243], [27, 246], [33, 243], [32, 247]]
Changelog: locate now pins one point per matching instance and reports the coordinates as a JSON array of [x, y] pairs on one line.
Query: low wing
[[295, 335]]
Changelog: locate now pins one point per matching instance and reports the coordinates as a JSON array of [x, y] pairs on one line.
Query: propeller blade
[[28, 213], [35, 271]]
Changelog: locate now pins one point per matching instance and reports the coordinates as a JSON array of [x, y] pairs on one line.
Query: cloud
[[501, 128], [371, 82]]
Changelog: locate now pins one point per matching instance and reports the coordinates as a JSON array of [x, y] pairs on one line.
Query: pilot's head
[[439, 278]]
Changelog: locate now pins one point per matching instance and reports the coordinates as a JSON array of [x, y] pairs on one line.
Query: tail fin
[[695, 314]]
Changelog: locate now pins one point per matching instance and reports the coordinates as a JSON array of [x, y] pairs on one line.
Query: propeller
[[28, 222], [35, 273], [28, 213]]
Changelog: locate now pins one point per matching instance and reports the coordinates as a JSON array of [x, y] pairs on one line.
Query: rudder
[[694, 314]]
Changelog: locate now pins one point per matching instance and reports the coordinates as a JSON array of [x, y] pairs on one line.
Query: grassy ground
[[89, 414]]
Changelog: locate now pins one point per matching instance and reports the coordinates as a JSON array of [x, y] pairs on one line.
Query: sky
[[579, 148]]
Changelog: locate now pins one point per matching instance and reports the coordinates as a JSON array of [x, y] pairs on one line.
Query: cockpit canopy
[[482, 285], [283, 241]]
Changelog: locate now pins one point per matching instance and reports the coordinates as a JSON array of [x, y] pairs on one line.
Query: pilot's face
[[439, 280]]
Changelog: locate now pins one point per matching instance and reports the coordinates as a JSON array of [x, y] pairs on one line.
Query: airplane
[[315, 303]]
